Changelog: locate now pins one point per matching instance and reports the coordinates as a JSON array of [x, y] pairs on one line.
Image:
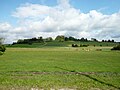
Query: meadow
[[64, 68], [63, 44]]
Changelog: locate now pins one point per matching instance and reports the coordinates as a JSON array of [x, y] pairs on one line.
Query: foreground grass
[[55, 68]]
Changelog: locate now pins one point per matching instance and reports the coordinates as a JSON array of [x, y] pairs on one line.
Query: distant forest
[[59, 38]]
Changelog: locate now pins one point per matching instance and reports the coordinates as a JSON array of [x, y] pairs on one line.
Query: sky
[[20, 19]]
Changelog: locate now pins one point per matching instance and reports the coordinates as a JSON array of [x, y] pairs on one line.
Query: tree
[[83, 39], [66, 39], [40, 39], [93, 39], [2, 47], [116, 47], [60, 38], [20, 41], [109, 41], [112, 41], [1, 41], [49, 39], [103, 41], [71, 38]]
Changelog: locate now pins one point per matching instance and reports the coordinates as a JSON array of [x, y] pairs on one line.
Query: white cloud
[[40, 20], [4, 27], [64, 4], [4, 30], [31, 10]]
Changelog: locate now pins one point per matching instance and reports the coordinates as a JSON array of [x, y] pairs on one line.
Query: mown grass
[[49, 68]]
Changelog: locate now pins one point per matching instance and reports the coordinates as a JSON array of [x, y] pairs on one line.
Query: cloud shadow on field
[[87, 74]]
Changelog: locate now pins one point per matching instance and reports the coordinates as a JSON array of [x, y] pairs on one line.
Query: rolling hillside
[[62, 44]]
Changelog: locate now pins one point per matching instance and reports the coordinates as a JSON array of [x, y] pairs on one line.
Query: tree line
[[60, 38]]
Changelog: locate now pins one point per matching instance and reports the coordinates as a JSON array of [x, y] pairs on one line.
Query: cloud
[[31, 10], [64, 4], [40, 20], [4, 27], [5, 30]]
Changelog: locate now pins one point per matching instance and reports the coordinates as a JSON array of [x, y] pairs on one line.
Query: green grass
[[56, 68], [62, 44]]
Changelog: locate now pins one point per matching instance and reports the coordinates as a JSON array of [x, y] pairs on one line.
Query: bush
[[83, 45], [116, 47], [74, 45], [2, 48]]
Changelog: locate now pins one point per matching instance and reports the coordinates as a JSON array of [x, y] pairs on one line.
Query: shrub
[[74, 45], [83, 45], [2, 48], [116, 47], [98, 49]]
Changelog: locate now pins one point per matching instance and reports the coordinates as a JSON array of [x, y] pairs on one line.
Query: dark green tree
[[116, 47], [60, 38], [2, 47], [49, 39]]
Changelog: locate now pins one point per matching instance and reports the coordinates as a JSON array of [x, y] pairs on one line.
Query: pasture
[[60, 68]]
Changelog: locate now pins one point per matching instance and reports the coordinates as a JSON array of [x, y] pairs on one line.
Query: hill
[[63, 44]]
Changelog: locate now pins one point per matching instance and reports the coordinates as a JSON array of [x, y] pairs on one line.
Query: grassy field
[[60, 68], [63, 44]]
